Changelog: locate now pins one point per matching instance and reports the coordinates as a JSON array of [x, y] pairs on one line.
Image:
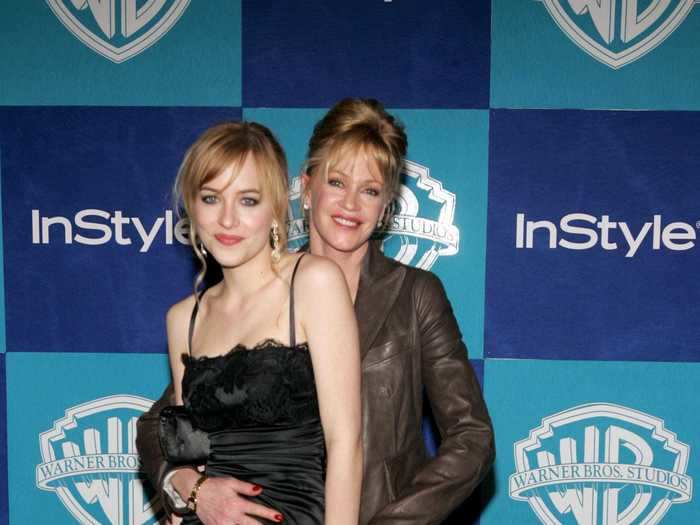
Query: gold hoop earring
[[275, 235], [202, 249]]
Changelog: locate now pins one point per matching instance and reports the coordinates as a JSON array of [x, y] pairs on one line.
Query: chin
[[228, 262], [347, 245]]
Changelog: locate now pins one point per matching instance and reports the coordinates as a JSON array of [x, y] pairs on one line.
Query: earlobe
[[305, 181]]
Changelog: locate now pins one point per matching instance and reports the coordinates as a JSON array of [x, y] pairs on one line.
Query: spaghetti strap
[[192, 319], [292, 327]]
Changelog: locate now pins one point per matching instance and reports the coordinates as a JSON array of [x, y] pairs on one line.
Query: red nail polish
[[279, 518], [257, 488]]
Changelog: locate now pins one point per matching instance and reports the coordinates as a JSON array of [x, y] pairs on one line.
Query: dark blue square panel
[[592, 248], [93, 252], [407, 53]]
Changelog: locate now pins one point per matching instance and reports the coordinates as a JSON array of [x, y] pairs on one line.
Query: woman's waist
[[286, 446], [259, 435]]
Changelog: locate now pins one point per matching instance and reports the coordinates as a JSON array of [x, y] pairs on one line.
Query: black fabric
[[260, 409], [181, 441]]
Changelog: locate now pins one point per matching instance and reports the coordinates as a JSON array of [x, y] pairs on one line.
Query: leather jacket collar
[[380, 283]]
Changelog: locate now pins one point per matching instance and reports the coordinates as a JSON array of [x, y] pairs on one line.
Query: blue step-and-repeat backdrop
[[552, 182]]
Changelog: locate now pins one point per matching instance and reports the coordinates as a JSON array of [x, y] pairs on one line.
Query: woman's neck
[[248, 278]]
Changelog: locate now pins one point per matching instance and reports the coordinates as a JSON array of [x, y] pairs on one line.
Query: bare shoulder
[[317, 273], [180, 311]]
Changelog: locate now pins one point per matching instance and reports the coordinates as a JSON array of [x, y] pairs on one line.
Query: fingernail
[[257, 488], [278, 518]]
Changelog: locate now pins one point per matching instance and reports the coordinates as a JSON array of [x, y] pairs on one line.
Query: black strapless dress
[[260, 409]]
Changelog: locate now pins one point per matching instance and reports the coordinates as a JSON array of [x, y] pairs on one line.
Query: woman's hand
[[221, 501]]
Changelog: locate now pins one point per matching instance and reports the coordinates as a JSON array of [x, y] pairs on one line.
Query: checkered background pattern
[[552, 182]]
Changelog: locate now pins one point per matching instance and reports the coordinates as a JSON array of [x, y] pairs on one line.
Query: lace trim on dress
[[266, 344]]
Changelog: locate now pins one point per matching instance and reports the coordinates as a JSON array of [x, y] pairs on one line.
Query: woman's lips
[[228, 240], [345, 221]]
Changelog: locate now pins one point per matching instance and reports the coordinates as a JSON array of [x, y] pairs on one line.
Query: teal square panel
[[588, 54], [581, 442], [439, 223], [120, 52], [71, 425]]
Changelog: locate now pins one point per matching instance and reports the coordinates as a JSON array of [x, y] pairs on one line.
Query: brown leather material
[[410, 343], [414, 344], [153, 462]]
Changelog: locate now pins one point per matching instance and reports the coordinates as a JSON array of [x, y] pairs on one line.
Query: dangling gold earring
[[275, 234], [203, 249], [306, 206]]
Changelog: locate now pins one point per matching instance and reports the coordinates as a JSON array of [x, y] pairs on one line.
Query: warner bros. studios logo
[[90, 462], [420, 227], [601, 464], [118, 29], [617, 32]]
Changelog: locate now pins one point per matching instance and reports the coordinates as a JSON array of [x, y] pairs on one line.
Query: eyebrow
[[216, 190], [364, 181]]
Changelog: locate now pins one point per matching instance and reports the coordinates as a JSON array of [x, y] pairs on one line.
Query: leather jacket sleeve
[[467, 448], [153, 463]]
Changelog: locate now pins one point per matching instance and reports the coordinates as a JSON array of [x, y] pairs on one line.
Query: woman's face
[[346, 206], [232, 216]]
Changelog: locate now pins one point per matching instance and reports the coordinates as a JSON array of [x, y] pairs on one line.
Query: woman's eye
[[249, 201], [373, 192], [209, 199], [335, 182]]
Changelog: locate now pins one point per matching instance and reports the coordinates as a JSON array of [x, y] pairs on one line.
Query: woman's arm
[[467, 447], [177, 325], [328, 321]]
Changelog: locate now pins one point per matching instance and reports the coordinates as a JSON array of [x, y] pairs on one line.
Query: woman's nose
[[228, 216], [350, 200]]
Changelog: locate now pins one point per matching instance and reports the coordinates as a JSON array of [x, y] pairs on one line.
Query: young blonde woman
[[265, 361], [409, 339]]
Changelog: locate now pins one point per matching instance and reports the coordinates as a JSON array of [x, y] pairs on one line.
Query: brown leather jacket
[[410, 341]]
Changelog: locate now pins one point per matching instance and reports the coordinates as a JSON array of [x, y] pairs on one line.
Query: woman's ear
[[305, 191]]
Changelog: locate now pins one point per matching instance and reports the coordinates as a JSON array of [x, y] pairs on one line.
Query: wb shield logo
[[617, 32], [421, 225], [118, 29], [601, 464], [90, 462]]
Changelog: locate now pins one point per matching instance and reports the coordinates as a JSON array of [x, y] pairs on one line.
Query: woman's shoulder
[[315, 271], [417, 278], [181, 310]]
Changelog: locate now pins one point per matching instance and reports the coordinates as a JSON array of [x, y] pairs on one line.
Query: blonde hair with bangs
[[220, 147], [354, 126]]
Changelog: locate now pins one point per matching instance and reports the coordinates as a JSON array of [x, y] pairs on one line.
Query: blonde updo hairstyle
[[359, 126], [218, 148]]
